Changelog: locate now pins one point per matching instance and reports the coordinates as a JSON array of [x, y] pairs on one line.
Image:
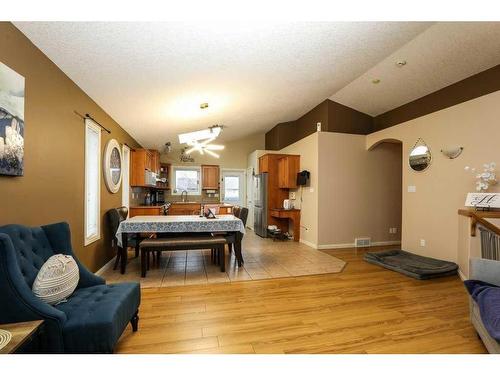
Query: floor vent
[[362, 242]]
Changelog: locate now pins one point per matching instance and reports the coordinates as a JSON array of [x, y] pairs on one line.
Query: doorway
[[234, 186]]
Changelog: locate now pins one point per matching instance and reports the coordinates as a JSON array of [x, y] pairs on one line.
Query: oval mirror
[[420, 156]]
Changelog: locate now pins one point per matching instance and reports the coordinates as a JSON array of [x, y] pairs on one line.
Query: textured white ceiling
[[443, 54], [151, 77]]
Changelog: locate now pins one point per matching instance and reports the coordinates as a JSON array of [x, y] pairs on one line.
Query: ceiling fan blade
[[204, 143], [187, 152], [214, 147], [212, 153]]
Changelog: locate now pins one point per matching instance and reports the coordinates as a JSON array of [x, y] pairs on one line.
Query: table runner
[[179, 224]]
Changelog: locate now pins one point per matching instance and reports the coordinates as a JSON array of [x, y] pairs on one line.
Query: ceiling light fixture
[[400, 63], [203, 105], [375, 81], [200, 141]]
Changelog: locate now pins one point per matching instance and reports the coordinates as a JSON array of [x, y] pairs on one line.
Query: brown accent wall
[[472, 87], [343, 119], [52, 188], [334, 117]]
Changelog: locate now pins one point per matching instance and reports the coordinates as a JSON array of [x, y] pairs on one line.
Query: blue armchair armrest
[[59, 236], [18, 301]]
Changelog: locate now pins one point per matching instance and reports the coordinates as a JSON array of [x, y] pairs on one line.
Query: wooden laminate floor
[[364, 309]]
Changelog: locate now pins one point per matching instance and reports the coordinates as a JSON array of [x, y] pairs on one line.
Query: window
[[187, 179], [92, 182], [126, 176], [233, 186]]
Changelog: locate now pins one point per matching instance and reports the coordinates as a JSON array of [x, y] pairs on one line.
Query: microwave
[[149, 178]]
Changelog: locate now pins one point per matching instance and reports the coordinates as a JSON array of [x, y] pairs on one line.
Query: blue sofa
[[95, 315]]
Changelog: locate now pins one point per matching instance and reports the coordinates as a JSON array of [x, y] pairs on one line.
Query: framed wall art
[[11, 122]]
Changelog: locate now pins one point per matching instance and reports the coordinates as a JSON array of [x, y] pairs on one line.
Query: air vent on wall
[[362, 242]]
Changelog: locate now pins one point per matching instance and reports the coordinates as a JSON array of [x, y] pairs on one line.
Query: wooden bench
[[182, 243]]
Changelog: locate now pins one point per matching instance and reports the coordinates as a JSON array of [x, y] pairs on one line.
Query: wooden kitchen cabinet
[[155, 161], [264, 163], [184, 209], [145, 211], [210, 177], [140, 162], [288, 167], [144, 160]]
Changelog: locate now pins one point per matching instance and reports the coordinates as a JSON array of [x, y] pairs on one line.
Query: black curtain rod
[[87, 116]]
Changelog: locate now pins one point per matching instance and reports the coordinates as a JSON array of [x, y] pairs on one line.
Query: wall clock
[[112, 166]]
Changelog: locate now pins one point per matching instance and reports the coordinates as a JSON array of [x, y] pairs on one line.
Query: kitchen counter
[[148, 206]]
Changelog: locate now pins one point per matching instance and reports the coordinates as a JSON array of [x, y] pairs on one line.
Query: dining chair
[[114, 217], [233, 240]]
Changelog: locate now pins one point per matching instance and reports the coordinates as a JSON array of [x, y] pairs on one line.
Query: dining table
[[175, 224]]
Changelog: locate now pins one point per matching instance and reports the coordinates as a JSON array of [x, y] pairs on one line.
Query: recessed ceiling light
[[401, 63], [203, 105], [375, 81]]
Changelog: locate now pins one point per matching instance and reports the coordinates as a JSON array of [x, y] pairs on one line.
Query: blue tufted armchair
[[95, 315]]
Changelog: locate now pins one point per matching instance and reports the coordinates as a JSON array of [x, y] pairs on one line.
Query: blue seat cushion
[[97, 316]]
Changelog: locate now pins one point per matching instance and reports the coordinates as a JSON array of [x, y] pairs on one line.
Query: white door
[[126, 176], [233, 186], [250, 177]]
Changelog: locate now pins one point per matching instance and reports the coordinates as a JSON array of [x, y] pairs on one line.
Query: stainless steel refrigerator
[[260, 204]]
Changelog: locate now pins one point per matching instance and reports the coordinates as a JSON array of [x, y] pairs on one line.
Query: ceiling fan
[[200, 141]]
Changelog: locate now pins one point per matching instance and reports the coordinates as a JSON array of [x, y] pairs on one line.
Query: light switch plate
[[412, 189], [422, 243], [292, 195], [311, 190]]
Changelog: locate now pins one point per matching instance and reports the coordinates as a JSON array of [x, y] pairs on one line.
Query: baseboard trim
[[307, 243], [106, 267], [347, 245], [461, 275]]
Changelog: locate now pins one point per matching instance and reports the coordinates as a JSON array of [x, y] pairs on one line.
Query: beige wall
[[52, 188], [307, 148], [352, 192], [234, 155], [431, 212], [359, 190]]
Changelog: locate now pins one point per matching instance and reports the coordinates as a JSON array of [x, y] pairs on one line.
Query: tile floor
[[264, 259]]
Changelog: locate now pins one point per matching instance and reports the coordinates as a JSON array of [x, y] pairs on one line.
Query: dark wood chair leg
[[222, 251], [135, 321], [123, 251], [117, 251], [237, 252], [144, 264], [148, 260], [158, 256], [137, 242]]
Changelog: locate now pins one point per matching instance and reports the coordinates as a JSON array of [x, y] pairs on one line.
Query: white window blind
[[92, 182]]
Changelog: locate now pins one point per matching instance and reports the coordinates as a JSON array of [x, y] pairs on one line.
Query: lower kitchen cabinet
[[145, 211]]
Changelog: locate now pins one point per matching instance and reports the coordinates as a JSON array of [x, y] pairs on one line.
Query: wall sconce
[[452, 153]]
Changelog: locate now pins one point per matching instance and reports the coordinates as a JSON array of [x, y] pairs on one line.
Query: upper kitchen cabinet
[[143, 167], [210, 177], [288, 167], [155, 161]]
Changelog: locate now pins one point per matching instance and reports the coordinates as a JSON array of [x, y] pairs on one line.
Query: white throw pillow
[[57, 279]]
